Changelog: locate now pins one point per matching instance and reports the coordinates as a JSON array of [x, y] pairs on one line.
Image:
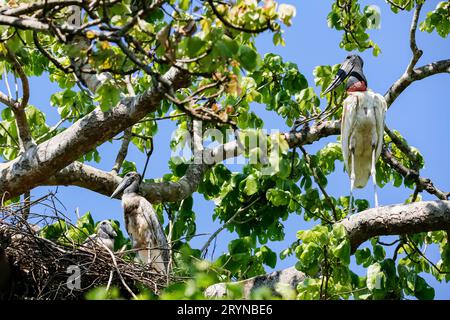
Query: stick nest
[[32, 267]]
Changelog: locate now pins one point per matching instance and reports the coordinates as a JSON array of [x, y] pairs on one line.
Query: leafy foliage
[[347, 16], [438, 20], [232, 81]]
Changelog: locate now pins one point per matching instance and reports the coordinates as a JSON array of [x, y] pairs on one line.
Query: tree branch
[[317, 180], [407, 173], [412, 40], [123, 151], [276, 280], [34, 167], [18, 108], [85, 176], [397, 219], [442, 66], [404, 147]]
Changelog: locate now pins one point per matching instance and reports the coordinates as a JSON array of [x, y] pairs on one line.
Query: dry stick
[[118, 271], [316, 178], [109, 280], [169, 241], [26, 210], [226, 224]]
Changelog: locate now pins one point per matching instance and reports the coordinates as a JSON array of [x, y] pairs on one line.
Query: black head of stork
[[351, 68], [129, 184]]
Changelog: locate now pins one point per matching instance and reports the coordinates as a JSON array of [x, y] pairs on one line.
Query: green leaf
[[108, 95], [422, 290], [194, 45], [339, 231], [251, 185], [342, 251], [269, 257], [184, 4], [278, 197], [378, 252], [101, 293], [248, 58], [363, 256]]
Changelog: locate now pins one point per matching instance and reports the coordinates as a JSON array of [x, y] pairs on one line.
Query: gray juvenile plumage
[[142, 224], [105, 235]]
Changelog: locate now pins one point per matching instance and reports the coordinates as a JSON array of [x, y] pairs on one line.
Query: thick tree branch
[[397, 219], [276, 281], [104, 182], [442, 66], [38, 5], [85, 176], [35, 166]]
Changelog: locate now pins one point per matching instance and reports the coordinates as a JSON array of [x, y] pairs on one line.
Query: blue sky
[[421, 114]]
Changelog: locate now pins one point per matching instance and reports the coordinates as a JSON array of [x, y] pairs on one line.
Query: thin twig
[[316, 178], [204, 249], [417, 53]]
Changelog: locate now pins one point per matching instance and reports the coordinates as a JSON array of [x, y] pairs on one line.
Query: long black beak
[[342, 74], [125, 183]]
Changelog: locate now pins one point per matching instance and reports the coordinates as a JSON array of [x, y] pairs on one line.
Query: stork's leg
[[352, 180], [373, 173]]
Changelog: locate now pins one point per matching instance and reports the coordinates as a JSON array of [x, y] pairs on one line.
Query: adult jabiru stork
[[362, 125], [142, 224]]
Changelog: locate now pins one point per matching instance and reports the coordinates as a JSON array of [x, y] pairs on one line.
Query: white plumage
[[362, 131], [362, 126]]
